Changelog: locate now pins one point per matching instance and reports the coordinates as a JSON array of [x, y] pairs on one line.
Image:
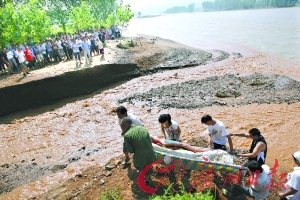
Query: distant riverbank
[[232, 31]]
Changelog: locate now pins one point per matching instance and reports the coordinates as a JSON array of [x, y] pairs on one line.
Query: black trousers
[[70, 52], [219, 146]]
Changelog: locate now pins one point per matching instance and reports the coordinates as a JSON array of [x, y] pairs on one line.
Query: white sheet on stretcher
[[212, 155]]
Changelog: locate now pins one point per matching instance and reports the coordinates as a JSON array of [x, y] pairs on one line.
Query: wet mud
[[226, 90], [13, 175], [174, 59]]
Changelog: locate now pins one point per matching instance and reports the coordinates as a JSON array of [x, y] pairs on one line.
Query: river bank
[[82, 136], [69, 80]]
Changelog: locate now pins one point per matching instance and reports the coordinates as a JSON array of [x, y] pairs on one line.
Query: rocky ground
[[226, 90]]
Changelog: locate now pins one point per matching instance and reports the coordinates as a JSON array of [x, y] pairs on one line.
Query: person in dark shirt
[[29, 42], [55, 52], [4, 60], [258, 149], [64, 44], [93, 46]]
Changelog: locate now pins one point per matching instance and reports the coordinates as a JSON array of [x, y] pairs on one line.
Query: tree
[[111, 20], [81, 17], [101, 10], [59, 11], [22, 21], [36, 23], [124, 14], [191, 7]]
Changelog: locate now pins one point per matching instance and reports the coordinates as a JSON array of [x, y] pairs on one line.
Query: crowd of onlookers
[[87, 43]]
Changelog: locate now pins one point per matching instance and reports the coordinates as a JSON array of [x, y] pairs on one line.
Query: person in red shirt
[[29, 57]]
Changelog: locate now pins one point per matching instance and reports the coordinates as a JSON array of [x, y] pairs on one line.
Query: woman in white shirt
[[170, 127]]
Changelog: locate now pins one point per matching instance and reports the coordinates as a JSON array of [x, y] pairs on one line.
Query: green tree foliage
[[124, 14], [81, 17], [245, 4], [111, 20], [22, 21], [59, 11], [101, 10]]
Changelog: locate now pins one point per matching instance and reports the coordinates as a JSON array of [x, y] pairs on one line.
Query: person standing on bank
[[171, 127], [258, 149], [4, 60], [137, 141], [122, 113], [217, 134], [292, 187]]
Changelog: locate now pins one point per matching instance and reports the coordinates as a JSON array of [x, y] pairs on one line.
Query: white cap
[[297, 155]]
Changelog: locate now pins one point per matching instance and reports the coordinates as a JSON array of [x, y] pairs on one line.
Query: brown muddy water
[[57, 145]]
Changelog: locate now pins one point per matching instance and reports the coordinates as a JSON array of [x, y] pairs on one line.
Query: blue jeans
[[77, 55]]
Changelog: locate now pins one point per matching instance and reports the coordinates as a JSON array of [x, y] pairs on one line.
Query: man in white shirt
[[217, 134], [292, 190], [12, 62], [259, 179], [22, 59], [122, 113], [60, 48]]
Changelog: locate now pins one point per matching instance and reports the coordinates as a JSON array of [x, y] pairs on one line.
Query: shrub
[[126, 44], [123, 45], [111, 195], [183, 195], [131, 43]]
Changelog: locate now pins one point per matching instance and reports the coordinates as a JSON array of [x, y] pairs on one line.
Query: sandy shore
[[52, 142]]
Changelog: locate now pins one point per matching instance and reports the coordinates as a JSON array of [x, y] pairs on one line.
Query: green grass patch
[[182, 195], [126, 44], [111, 195]]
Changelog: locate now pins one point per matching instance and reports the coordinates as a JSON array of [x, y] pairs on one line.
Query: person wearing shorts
[[22, 59]]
